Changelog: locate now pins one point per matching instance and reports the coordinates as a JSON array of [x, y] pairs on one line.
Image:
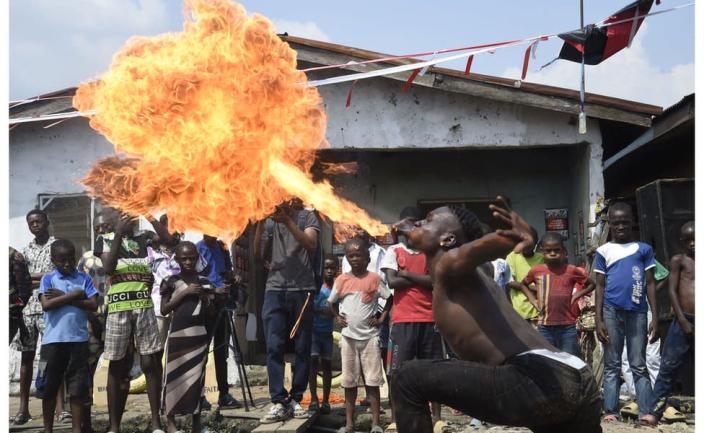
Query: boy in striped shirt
[[556, 298]]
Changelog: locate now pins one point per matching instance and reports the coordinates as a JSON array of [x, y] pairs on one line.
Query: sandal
[[20, 419], [673, 415], [631, 409], [64, 417], [391, 428], [325, 408], [442, 427]]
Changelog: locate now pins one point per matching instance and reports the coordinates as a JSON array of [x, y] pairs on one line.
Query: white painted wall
[[48, 161], [382, 117]]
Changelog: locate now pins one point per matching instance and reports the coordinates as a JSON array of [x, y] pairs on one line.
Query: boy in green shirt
[[525, 304]]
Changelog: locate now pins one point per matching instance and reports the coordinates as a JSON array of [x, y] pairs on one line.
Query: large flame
[[216, 124]]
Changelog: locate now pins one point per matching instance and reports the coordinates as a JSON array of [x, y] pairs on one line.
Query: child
[[520, 263], [413, 334], [557, 299], [321, 349], [680, 337], [354, 299], [66, 295], [623, 269], [187, 297], [501, 356]]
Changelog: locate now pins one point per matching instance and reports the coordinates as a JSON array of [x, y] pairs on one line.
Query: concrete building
[[450, 139]]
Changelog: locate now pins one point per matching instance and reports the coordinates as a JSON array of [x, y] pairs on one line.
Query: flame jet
[[213, 124]]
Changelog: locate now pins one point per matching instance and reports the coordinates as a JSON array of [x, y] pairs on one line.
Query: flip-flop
[[64, 417], [673, 415], [442, 427], [21, 419], [631, 409]]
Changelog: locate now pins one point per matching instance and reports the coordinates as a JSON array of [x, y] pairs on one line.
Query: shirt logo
[[637, 285]]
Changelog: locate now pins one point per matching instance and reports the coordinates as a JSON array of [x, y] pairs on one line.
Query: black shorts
[[63, 362], [413, 340]]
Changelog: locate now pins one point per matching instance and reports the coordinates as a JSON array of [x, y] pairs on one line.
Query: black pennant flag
[[599, 42]]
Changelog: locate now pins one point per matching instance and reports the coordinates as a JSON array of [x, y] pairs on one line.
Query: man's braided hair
[[471, 226]]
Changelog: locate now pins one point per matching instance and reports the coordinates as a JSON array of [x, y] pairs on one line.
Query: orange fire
[[215, 123]]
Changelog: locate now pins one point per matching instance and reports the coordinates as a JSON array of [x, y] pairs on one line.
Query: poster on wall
[[556, 221]]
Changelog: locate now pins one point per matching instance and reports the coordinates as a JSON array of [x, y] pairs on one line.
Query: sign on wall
[[556, 221]]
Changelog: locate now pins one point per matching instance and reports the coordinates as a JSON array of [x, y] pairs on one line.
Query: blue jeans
[[633, 327], [279, 314], [563, 337], [676, 348]]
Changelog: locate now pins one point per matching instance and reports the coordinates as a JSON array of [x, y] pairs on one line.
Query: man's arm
[[601, 332], [53, 298], [425, 281], [336, 310], [394, 281], [90, 304], [308, 238], [587, 288], [652, 300], [162, 229], [493, 245], [109, 258], [673, 286]]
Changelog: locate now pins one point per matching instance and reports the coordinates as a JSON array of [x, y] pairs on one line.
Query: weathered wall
[[48, 161], [533, 179], [382, 117]]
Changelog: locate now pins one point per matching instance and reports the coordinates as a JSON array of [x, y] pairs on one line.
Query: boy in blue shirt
[[321, 348], [66, 295], [623, 270]]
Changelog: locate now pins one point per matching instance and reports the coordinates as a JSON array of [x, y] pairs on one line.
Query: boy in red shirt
[[413, 331], [557, 297]]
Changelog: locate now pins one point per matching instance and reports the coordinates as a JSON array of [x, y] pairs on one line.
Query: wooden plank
[[268, 428], [292, 425], [297, 425]]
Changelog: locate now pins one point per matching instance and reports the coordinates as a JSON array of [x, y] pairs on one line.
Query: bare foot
[[649, 420], [608, 419]]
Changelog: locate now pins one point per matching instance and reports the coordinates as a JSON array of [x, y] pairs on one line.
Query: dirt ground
[[137, 409]]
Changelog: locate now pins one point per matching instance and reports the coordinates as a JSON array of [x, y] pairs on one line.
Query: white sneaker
[[297, 410], [277, 413]]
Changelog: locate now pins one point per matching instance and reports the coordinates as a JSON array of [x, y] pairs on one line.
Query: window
[[71, 217]]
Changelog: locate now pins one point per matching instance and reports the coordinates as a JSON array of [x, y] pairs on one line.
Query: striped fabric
[[186, 352]]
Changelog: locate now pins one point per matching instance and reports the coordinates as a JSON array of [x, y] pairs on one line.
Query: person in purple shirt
[[66, 295], [624, 278], [218, 262]]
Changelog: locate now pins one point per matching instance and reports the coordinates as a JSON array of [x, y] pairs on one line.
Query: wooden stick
[[294, 331]]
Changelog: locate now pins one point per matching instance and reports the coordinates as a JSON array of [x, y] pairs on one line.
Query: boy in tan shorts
[[354, 298], [131, 319]]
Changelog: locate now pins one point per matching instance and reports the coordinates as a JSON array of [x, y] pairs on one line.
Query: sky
[[58, 44]]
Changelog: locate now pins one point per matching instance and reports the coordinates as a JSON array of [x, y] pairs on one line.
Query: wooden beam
[[497, 92]]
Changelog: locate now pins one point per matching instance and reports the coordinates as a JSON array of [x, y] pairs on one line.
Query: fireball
[[213, 124]]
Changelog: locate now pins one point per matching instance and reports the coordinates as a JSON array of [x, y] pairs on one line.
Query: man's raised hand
[[520, 230]]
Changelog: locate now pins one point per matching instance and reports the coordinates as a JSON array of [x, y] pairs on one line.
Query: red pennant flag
[[408, 83], [526, 58], [349, 95], [469, 65]]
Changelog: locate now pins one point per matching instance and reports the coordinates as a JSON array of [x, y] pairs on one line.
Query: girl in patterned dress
[[187, 297]]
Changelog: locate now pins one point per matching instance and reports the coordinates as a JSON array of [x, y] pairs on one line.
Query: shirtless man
[[507, 372], [680, 338]]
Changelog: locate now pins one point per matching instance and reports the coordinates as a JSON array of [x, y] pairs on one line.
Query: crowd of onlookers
[[151, 296]]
